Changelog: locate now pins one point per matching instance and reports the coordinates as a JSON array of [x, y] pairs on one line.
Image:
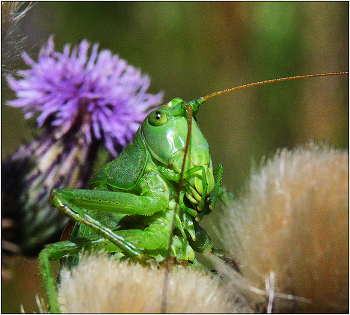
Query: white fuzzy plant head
[[289, 232], [100, 284]]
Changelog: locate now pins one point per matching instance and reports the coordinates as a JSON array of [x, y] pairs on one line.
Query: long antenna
[[179, 186], [206, 97]]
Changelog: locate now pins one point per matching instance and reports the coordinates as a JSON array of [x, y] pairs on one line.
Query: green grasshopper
[[146, 204]]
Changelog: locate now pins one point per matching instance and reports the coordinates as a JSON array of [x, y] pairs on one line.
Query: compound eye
[[157, 118]]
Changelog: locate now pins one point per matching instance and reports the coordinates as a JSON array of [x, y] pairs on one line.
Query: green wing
[[125, 171]]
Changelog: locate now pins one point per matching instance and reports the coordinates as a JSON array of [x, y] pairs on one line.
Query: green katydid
[[146, 204]]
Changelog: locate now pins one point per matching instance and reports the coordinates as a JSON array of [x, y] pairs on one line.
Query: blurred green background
[[194, 48]]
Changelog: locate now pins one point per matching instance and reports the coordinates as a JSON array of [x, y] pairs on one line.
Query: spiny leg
[[173, 176], [214, 195], [76, 214], [218, 172]]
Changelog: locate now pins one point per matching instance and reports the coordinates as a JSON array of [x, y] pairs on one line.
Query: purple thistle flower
[[80, 102], [102, 95]]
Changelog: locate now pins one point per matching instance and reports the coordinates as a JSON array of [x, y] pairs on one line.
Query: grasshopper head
[[165, 132]]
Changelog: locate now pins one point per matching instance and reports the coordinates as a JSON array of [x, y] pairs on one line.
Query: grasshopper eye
[[157, 118]]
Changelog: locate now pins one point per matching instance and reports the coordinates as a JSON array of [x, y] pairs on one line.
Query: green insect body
[[142, 181], [129, 205]]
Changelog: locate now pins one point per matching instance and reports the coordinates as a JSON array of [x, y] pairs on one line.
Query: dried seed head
[[290, 231], [100, 284]]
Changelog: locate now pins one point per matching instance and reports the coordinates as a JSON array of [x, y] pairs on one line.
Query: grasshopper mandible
[[146, 204]]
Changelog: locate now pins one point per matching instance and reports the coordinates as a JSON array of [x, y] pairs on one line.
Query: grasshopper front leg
[[214, 195], [197, 192]]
